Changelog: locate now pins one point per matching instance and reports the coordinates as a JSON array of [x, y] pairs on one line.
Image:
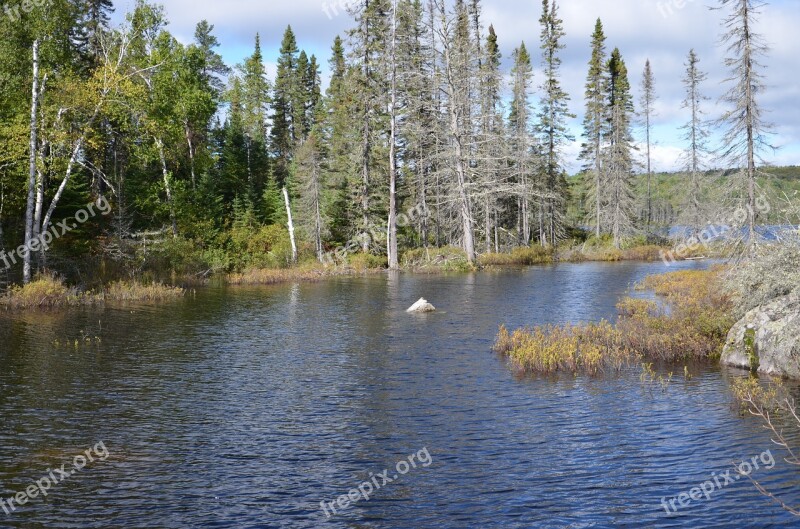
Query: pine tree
[[493, 137], [593, 122], [552, 125], [214, 67]]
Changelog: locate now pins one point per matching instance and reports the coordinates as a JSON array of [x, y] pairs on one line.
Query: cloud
[[660, 30]]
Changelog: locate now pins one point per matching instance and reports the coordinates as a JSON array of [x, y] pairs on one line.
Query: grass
[[590, 349], [692, 324], [518, 256], [310, 271], [445, 259], [135, 291], [50, 292]]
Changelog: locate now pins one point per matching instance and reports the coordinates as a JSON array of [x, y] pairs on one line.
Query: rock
[[421, 306], [767, 339]]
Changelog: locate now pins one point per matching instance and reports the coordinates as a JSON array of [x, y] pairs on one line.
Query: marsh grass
[[519, 256], [357, 264], [50, 292], [692, 324], [445, 259]]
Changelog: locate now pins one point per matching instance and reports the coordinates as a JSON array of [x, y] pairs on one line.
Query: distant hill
[[669, 192]]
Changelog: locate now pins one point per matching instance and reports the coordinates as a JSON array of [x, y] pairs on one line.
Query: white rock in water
[[421, 306]]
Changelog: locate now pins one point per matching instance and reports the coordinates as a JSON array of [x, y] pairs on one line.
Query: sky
[[660, 30]]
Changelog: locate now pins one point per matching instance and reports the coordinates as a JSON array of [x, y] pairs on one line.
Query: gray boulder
[[767, 339]]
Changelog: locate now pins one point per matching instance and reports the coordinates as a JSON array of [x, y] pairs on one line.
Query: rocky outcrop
[[767, 339], [421, 306]]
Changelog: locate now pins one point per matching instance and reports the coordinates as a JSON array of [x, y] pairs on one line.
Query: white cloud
[[642, 29]]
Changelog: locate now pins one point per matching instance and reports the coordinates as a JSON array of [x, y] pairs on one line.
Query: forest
[[420, 140]]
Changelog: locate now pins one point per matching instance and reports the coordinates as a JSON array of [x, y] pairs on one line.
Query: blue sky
[[661, 30]]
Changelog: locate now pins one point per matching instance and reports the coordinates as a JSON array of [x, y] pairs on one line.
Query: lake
[[261, 407]]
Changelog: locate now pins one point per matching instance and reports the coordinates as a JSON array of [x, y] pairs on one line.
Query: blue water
[[248, 407]]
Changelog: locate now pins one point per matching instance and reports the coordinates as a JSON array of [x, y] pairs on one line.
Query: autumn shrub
[[691, 322], [45, 291]]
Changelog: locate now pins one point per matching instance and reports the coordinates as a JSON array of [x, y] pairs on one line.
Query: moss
[[750, 349]]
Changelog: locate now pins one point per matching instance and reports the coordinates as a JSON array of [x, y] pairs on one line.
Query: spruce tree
[[552, 125], [619, 150], [593, 122], [284, 133]]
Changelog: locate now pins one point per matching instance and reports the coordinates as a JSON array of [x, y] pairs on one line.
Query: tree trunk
[[191, 157], [394, 262], [167, 187], [29, 210], [290, 224]]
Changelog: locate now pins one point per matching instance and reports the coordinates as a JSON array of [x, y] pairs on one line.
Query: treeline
[[209, 159]]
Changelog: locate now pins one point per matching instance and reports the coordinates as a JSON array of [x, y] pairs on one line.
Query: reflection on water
[[246, 407]]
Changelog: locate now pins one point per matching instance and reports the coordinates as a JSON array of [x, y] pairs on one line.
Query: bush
[[261, 247], [45, 291], [366, 261]]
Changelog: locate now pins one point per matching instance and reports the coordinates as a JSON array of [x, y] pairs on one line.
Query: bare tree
[[648, 99], [696, 135], [457, 64], [746, 135]]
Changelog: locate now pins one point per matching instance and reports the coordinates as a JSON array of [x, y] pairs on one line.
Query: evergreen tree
[[552, 126], [593, 121], [619, 150], [284, 127]]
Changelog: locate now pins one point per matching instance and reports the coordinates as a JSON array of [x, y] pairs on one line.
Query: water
[[247, 407]]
